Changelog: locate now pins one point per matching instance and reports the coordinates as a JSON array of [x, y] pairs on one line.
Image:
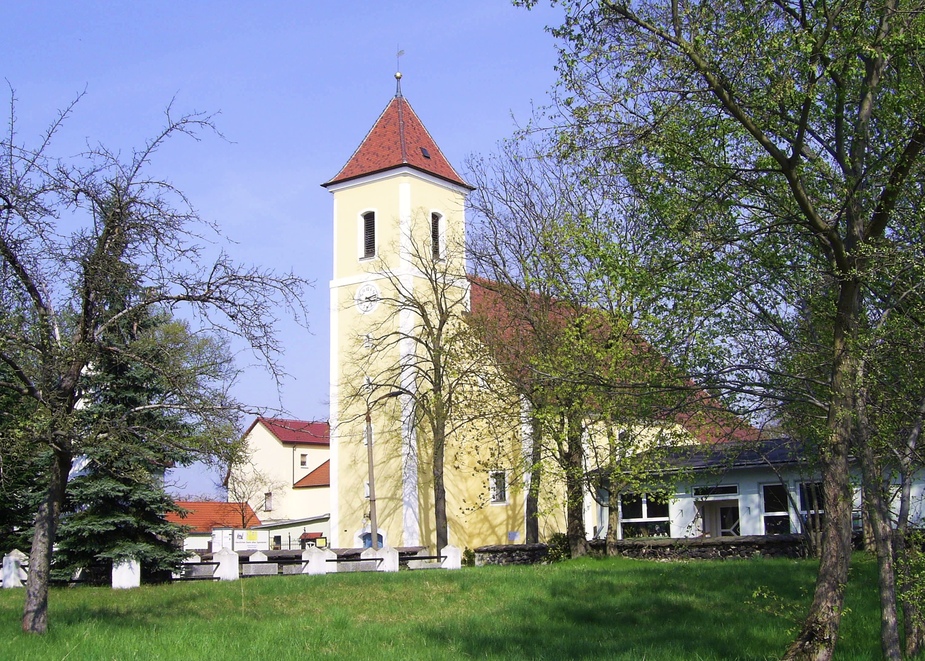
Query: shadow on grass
[[602, 609]]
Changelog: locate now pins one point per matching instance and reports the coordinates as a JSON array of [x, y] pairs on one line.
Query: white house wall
[[685, 509]]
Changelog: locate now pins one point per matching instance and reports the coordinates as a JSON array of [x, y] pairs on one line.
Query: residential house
[[286, 479], [764, 487]]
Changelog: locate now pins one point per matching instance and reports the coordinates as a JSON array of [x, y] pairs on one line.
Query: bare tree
[[248, 489], [445, 375], [85, 243]]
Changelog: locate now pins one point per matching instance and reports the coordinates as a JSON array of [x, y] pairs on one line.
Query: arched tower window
[[369, 235]]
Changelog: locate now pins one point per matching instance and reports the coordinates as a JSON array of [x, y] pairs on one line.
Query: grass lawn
[[584, 609]]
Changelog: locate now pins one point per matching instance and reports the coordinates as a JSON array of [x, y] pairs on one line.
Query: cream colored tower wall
[[402, 201], [280, 467]]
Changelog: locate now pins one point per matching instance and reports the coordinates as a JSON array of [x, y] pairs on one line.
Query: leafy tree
[[771, 147], [561, 326], [116, 505], [19, 472], [84, 245]]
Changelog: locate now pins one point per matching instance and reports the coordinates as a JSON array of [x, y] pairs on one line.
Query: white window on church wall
[[497, 486], [268, 501], [303, 460]]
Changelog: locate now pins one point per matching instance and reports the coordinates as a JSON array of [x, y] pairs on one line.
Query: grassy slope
[[588, 609]]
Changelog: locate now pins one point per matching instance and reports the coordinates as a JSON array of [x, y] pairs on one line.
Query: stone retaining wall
[[705, 548], [511, 554]]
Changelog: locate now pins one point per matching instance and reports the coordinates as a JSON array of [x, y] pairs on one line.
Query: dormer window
[[369, 235], [435, 236]]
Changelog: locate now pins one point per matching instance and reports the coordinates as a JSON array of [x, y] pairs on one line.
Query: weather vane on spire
[[398, 53]]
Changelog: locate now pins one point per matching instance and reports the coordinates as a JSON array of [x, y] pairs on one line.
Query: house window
[[369, 235], [812, 505], [268, 501], [776, 509], [277, 542], [497, 486], [435, 236], [643, 515], [303, 460]]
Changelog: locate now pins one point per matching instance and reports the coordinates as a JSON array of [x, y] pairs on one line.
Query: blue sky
[[296, 86]]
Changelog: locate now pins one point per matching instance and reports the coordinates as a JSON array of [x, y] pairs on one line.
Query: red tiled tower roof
[[296, 432], [398, 138]]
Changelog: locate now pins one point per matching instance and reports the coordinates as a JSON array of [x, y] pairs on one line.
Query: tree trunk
[[35, 612], [613, 513], [819, 634], [912, 615], [440, 486], [533, 493], [575, 488], [879, 520]]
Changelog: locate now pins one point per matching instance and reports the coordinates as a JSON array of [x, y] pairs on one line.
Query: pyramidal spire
[[398, 139]]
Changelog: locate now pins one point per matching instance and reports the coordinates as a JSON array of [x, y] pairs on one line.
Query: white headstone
[[126, 574], [258, 556], [452, 557], [13, 573], [227, 569], [316, 561], [389, 557], [369, 561]]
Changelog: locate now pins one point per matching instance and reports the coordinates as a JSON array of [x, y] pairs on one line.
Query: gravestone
[[227, 569], [316, 561], [263, 569], [13, 572], [389, 559], [452, 557], [126, 574]]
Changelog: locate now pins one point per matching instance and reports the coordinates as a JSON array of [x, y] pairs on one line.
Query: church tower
[[396, 195]]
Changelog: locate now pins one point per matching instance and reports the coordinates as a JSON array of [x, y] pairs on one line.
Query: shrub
[[558, 548]]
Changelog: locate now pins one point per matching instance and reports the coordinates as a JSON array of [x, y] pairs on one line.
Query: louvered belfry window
[[435, 234], [369, 234]]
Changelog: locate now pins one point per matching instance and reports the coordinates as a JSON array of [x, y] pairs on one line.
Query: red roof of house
[[296, 432], [204, 515], [398, 138], [320, 477]]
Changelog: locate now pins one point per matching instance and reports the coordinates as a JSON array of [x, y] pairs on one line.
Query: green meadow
[[584, 609]]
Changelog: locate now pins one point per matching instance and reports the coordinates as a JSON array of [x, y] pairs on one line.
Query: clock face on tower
[[366, 298]]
